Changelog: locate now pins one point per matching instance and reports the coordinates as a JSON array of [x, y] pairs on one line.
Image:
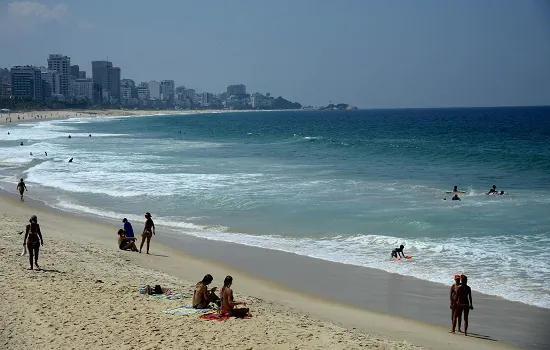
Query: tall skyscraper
[[26, 83], [237, 90], [167, 90], [74, 71], [62, 64], [107, 79], [100, 77], [51, 83], [154, 90]]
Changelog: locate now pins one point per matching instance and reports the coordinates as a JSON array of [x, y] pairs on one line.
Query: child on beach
[[148, 232]]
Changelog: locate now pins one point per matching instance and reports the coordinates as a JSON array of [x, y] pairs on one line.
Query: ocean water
[[344, 186]]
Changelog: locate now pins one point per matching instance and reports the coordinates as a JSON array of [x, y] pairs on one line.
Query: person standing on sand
[[21, 187], [148, 232], [454, 287], [33, 241], [128, 228], [463, 302]]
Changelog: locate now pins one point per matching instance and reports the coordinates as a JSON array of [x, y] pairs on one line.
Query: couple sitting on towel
[[202, 297], [126, 243]]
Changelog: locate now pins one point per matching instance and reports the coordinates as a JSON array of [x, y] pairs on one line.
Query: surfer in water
[[493, 190], [70, 160], [398, 252]]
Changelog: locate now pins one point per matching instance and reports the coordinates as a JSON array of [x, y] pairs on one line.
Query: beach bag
[[157, 290]]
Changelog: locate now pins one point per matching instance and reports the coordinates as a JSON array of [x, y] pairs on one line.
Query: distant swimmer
[[8, 132], [69, 136], [21, 143], [456, 190], [90, 135], [493, 190], [70, 160], [501, 193], [456, 198], [398, 252], [46, 153], [30, 153], [21, 187]]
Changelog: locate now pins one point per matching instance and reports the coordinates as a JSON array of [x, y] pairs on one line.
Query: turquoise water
[[340, 186]]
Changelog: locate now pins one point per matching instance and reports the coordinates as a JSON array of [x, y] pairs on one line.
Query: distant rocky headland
[[339, 107]]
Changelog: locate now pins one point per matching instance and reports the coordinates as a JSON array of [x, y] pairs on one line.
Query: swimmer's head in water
[[456, 187], [501, 192], [33, 219], [494, 186]]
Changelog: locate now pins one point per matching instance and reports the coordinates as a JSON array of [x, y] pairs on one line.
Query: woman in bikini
[[33, 241], [148, 231], [202, 297], [228, 303]]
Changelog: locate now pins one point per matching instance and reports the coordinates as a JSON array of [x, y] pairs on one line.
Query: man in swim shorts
[[21, 188], [398, 252], [463, 303], [452, 295]]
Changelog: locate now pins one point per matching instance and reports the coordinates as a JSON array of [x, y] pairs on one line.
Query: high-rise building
[[51, 83], [154, 90], [101, 77], [74, 71], [83, 89], [26, 83], [207, 98], [167, 90], [81, 74], [190, 94], [237, 90], [127, 83], [5, 90], [114, 88], [143, 92], [5, 76], [62, 64]]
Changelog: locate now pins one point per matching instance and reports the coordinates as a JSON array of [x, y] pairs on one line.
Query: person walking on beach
[[33, 240], [128, 228], [454, 288], [228, 303], [463, 303], [148, 232], [21, 187]]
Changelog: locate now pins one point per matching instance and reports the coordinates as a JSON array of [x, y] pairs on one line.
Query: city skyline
[[370, 54]]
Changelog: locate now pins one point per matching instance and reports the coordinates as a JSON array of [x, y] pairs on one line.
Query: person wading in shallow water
[[148, 232], [33, 241], [21, 187]]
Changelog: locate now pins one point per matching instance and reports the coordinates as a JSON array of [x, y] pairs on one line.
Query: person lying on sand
[[33, 240], [228, 303], [126, 243], [452, 295], [202, 297], [398, 252], [148, 232], [463, 303]]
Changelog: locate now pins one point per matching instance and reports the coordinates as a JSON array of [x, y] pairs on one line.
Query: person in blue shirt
[[128, 228]]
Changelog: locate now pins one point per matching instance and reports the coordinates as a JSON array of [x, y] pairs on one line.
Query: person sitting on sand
[[454, 288], [126, 243], [148, 232], [202, 297], [493, 190], [456, 198], [229, 303], [33, 240], [128, 228], [398, 252], [21, 187], [463, 303]]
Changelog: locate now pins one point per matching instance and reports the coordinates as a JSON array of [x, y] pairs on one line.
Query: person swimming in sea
[[493, 190], [456, 198], [398, 252], [70, 160]]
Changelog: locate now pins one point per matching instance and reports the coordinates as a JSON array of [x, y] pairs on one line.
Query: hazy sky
[[368, 53]]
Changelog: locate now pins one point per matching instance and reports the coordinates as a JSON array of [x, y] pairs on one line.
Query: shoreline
[[170, 259]]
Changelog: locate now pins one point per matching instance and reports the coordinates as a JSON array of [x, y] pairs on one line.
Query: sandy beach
[[64, 306]]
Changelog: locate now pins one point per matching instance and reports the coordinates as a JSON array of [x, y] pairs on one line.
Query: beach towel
[[214, 316], [168, 295], [187, 310]]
